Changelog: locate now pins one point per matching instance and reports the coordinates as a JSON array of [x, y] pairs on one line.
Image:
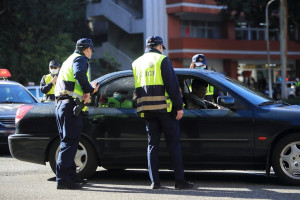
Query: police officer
[[199, 62], [158, 94], [48, 81], [72, 82]]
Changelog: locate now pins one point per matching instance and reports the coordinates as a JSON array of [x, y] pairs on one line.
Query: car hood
[[287, 108], [9, 109]]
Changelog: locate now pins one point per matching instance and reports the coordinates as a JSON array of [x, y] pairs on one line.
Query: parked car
[[291, 90], [36, 92], [12, 96], [247, 131]]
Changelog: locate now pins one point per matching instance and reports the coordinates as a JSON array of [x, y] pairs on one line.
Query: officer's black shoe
[[70, 186], [183, 185], [155, 185], [82, 181]]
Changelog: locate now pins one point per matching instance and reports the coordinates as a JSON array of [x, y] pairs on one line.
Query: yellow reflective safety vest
[[210, 90], [48, 79], [149, 85], [114, 103], [66, 84]]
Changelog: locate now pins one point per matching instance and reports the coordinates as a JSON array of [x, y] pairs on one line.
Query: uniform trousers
[[156, 123], [69, 128]]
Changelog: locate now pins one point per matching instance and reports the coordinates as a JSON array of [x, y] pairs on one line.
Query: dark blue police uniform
[[154, 104], [70, 85]]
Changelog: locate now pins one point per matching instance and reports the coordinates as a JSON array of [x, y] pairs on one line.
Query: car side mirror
[[225, 101]]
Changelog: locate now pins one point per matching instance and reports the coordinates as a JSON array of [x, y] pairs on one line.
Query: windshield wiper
[[272, 103]]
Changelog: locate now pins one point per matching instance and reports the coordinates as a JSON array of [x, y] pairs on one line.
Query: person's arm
[[79, 70], [45, 88], [172, 86]]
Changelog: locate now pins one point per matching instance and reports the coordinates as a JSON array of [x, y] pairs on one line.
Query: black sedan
[[12, 96], [246, 130]]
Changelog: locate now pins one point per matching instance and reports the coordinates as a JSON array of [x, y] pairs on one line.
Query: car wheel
[[286, 160], [86, 159]]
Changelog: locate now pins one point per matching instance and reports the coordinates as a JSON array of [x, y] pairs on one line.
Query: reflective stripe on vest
[[66, 84], [48, 79], [150, 90]]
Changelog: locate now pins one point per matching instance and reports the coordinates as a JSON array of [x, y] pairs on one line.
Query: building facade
[[189, 27]]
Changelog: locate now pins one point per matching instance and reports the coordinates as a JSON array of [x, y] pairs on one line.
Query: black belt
[[66, 100], [69, 100]]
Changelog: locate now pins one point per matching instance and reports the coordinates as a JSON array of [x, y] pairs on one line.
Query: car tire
[[286, 160], [86, 159]]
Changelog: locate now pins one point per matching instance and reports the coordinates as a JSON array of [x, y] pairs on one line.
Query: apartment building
[[188, 27]]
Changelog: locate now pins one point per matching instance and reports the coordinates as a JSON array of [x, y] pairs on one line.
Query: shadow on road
[[229, 184]]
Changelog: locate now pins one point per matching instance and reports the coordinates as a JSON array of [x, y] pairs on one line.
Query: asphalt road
[[22, 180]]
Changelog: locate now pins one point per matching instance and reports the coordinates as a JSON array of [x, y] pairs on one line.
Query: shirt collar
[[81, 53], [147, 50]]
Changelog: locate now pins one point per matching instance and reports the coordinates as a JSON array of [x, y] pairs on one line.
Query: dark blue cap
[[85, 43], [199, 60], [53, 63], [154, 40]]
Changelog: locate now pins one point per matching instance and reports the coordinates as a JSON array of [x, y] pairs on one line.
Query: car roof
[[7, 82], [32, 86], [182, 71]]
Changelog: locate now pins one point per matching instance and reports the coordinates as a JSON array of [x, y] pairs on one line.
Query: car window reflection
[[119, 93]]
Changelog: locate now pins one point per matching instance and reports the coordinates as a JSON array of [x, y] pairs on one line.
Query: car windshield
[[14, 94], [248, 93]]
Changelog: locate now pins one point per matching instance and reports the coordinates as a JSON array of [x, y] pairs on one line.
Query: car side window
[[198, 93], [118, 93], [210, 98]]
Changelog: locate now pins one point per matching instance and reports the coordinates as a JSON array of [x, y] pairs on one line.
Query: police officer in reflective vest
[[72, 82], [159, 102], [48, 81], [199, 62]]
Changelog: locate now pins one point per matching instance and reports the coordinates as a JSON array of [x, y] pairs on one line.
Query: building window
[[200, 29], [244, 31]]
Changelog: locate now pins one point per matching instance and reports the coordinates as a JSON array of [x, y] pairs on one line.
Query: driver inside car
[[195, 99]]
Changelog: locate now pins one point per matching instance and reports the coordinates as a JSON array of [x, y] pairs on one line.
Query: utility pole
[[283, 46], [268, 49]]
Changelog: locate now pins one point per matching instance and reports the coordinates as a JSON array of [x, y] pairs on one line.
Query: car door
[[215, 138], [119, 132]]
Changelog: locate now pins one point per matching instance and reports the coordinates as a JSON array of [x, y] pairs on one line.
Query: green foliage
[[33, 32], [104, 65]]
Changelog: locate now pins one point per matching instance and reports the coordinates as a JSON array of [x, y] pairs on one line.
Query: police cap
[[53, 63], [199, 60], [84, 43], [154, 40]]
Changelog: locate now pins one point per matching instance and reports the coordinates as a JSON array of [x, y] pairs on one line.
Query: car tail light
[[21, 112]]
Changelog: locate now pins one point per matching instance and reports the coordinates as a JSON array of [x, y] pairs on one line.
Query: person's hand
[[192, 66], [179, 114], [96, 86], [86, 97], [53, 81]]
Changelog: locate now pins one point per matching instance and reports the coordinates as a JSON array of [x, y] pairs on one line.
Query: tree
[[104, 65], [33, 32], [254, 11]]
